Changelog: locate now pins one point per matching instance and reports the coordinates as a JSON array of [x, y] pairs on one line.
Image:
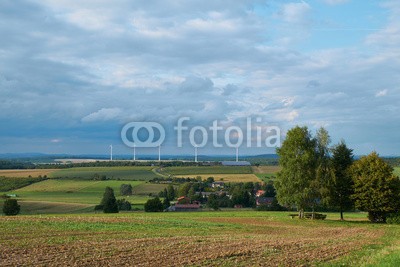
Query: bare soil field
[[180, 239]]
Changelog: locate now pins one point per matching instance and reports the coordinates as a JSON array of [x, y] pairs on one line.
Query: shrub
[[126, 190], [393, 218], [153, 205], [11, 207], [124, 204]]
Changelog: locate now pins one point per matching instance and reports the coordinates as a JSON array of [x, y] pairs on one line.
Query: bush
[[109, 202], [124, 204], [126, 190], [153, 205], [393, 218], [11, 207]]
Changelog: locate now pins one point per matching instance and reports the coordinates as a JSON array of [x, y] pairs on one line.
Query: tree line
[[314, 173]]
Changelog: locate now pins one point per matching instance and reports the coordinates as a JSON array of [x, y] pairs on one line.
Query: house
[[218, 185], [183, 200], [195, 206], [259, 193], [264, 201]]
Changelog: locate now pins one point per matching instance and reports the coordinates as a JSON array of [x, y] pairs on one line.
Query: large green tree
[[298, 159], [11, 207], [376, 188], [340, 187], [109, 203]]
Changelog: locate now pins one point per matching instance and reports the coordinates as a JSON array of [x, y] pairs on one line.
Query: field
[[123, 173], [232, 178], [207, 170], [241, 238], [77, 195], [26, 173]]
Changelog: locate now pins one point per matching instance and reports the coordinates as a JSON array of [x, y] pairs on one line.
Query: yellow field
[[233, 178], [25, 173], [266, 169]]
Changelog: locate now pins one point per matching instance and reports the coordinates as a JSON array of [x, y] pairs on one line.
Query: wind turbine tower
[[134, 152], [195, 154], [111, 152], [159, 153]]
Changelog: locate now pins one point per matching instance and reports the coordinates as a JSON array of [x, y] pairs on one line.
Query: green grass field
[[207, 170], [123, 173], [77, 195], [234, 238]]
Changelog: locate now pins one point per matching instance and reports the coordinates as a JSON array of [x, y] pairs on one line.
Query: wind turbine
[[237, 154], [134, 152], [111, 152], [159, 153], [195, 154]]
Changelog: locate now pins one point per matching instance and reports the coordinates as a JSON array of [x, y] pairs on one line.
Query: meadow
[[77, 195], [114, 173], [234, 238]]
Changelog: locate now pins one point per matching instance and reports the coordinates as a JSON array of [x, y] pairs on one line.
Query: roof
[[187, 206], [235, 163]]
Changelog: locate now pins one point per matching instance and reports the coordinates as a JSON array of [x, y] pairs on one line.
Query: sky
[[73, 73]]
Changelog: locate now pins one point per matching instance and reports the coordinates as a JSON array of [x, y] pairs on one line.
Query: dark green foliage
[[124, 205], [376, 189], [109, 202], [269, 189], [393, 218], [241, 196], [125, 189], [273, 207], [340, 187], [14, 164], [213, 202], [11, 207], [210, 180], [166, 203], [153, 205]]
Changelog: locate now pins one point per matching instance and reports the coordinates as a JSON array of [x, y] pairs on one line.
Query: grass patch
[[12, 183], [123, 173], [81, 192]]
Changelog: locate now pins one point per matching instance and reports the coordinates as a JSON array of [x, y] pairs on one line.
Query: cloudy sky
[[72, 73]]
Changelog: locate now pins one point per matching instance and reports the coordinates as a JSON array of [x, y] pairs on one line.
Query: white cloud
[[296, 13], [336, 2], [381, 93], [104, 114]]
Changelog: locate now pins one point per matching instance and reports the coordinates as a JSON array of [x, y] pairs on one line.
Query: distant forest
[[21, 164]]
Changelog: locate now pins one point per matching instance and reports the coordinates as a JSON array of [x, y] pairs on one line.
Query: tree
[[340, 187], [184, 189], [298, 159], [11, 207], [125, 189], [166, 203], [109, 202], [376, 189], [153, 205], [171, 192], [213, 202], [124, 204]]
